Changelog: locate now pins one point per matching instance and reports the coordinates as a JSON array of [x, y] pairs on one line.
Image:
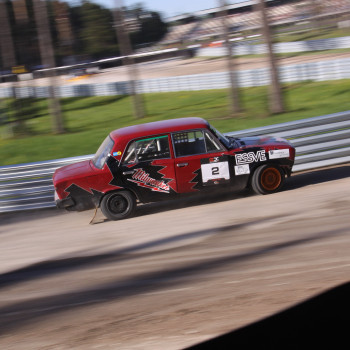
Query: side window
[[194, 142], [147, 149], [189, 143]]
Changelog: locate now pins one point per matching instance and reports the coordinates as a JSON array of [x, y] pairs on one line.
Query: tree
[[84, 30], [25, 33], [96, 33], [151, 27], [6, 44]]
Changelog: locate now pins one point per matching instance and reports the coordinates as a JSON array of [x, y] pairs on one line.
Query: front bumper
[[64, 203]]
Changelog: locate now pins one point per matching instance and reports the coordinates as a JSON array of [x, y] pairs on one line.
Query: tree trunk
[[8, 60], [48, 61], [275, 95], [234, 96], [128, 61], [6, 42]]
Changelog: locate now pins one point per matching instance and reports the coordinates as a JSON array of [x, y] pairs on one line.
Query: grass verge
[[88, 120], [316, 34]]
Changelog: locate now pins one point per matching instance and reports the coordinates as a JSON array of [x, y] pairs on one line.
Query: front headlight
[[56, 196]]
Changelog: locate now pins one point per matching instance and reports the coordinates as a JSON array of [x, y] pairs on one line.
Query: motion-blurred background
[[182, 272]]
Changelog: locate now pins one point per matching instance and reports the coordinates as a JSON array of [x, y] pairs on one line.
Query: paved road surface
[[175, 274]]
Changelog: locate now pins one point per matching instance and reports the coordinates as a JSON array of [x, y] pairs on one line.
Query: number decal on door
[[214, 173]]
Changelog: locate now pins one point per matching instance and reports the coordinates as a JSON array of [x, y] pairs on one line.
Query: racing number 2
[[215, 171]]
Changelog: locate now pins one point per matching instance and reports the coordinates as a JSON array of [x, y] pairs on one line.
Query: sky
[[167, 8]]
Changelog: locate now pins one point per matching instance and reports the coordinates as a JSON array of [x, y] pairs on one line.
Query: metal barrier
[[245, 48], [320, 141], [326, 70]]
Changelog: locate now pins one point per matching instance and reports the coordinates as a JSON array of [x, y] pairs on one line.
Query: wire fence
[[320, 141]]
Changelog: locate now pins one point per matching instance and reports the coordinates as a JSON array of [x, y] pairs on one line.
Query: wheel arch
[[255, 177], [118, 190], [119, 204], [286, 171]]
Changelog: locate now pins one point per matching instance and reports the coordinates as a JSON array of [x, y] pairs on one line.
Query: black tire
[[267, 179], [118, 205]]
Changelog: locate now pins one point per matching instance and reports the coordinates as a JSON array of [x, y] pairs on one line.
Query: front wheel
[[118, 205], [267, 179]]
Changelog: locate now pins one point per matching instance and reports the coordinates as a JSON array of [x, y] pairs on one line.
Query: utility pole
[[48, 60], [128, 60], [234, 97], [276, 98]]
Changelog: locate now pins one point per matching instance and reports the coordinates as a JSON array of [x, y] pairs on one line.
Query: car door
[[147, 168], [200, 161]]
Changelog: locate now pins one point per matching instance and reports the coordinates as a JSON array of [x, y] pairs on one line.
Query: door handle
[[181, 165]]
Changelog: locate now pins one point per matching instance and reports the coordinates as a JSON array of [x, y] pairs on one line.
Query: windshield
[[220, 136], [102, 153]]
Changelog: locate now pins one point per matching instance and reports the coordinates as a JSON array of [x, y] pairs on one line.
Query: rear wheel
[[118, 205], [267, 179]]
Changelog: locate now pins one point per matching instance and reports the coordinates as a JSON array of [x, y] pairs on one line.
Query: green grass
[[88, 120], [323, 33], [292, 54]]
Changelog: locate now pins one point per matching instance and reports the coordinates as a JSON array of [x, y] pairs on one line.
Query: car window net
[[148, 149]]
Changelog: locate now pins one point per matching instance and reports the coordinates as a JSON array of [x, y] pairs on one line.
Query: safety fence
[[320, 141], [311, 71], [244, 48]]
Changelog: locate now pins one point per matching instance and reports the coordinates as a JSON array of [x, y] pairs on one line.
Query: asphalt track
[[176, 274]]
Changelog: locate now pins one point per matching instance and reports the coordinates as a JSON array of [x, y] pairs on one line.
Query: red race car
[[165, 159]]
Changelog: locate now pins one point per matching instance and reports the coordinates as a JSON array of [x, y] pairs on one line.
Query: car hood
[[73, 170], [258, 141]]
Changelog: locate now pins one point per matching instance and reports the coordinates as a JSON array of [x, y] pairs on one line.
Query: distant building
[[206, 24]]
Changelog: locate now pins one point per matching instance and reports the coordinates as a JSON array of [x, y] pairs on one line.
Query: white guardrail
[[320, 141], [333, 69], [245, 48]]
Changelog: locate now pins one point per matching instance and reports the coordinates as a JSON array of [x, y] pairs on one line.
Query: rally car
[[165, 159]]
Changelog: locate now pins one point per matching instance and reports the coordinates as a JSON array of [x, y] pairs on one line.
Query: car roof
[[159, 127]]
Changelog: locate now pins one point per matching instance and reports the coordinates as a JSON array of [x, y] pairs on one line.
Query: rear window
[[194, 142], [102, 153]]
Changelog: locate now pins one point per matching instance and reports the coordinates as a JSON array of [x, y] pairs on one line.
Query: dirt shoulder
[[177, 273]]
